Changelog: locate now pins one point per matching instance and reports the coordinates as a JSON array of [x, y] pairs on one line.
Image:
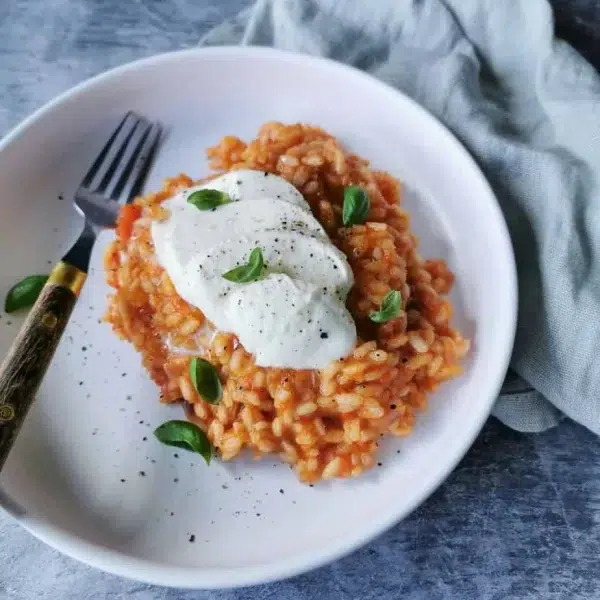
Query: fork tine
[[100, 158], [119, 176], [101, 167], [135, 177]]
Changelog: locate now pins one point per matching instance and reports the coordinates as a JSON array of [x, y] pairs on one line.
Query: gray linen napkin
[[528, 108]]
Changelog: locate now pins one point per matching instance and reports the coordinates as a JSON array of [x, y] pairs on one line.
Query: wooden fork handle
[[28, 358]]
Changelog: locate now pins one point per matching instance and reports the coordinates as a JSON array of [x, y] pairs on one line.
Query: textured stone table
[[518, 519]]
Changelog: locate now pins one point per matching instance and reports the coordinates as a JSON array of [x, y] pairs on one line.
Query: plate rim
[[124, 565]]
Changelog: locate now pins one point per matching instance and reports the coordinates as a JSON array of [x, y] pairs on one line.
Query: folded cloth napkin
[[527, 107]]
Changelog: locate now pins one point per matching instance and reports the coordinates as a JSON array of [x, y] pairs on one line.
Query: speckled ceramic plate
[[86, 475]]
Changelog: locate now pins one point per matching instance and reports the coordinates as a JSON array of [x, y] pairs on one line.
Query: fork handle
[[28, 358]]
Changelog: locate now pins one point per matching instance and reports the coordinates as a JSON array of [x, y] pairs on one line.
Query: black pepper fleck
[[122, 481], [192, 538], [142, 473], [324, 335]]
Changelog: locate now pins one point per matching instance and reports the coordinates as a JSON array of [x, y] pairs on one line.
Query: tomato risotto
[[327, 421]]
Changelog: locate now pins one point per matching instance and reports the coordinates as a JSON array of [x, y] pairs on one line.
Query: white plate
[[92, 424]]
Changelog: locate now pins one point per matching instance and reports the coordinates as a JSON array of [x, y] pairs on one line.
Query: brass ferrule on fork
[[67, 276]]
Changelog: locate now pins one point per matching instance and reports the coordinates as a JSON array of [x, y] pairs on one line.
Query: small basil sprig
[[251, 271], [207, 199], [356, 206], [206, 380], [186, 435], [390, 308], [24, 293]]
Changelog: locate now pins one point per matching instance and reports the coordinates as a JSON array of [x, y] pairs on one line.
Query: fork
[[115, 177]]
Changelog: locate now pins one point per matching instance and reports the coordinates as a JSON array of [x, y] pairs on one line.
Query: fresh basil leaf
[[206, 380], [207, 199], [248, 272], [25, 293], [356, 206], [186, 435], [390, 308]]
